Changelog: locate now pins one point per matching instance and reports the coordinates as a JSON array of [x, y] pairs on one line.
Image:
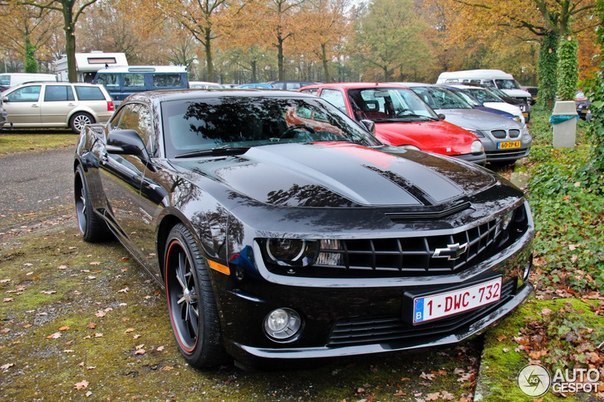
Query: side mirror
[[441, 116], [127, 142], [5, 99], [369, 125]]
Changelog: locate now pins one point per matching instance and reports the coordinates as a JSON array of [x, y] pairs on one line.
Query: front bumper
[[458, 335], [479, 159]]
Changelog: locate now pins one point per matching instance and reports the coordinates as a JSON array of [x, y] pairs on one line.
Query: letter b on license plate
[[440, 305]]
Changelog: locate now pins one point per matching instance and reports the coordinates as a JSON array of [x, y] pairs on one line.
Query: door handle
[[71, 104], [35, 105]]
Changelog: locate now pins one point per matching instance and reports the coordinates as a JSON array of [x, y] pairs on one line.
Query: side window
[[86, 93], [58, 93], [292, 85], [134, 80], [334, 97], [108, 80], [25, 94], [137, 117], [489, 83], [167, 80]]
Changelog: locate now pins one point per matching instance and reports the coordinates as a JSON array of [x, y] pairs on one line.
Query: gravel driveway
[[35, 182]]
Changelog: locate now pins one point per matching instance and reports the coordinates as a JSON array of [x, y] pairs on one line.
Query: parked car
[[60, 104], [204, 85], [289, 85], [401, 118], [583, 104], [275, 241], [504, 140], [9, 80], [492, 79], [487, 100]]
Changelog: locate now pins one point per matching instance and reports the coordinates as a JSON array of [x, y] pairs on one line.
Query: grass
[[27, 141]]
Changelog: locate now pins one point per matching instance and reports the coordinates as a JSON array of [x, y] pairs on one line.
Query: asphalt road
[[32, 182]]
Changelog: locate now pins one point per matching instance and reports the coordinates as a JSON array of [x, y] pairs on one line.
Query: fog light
[[282, 325], [476, 147]]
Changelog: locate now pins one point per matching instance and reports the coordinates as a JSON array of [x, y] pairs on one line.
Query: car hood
[[427, 136], [517, 93], [341, 175], [472, 119]]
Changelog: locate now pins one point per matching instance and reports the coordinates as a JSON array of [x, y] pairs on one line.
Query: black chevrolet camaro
[[281, 229]]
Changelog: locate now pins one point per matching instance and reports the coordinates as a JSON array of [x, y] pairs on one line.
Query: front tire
[[92, 227], [191, 303]]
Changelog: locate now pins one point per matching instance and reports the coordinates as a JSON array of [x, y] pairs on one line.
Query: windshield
[[222, 123], [389, 104], [468, 97], [484, 95], [441, 98], [507, 84]]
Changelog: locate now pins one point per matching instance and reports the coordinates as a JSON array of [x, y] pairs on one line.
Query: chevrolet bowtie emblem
[[452, 252]]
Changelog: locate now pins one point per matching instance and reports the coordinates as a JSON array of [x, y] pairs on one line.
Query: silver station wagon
[[61, 104]]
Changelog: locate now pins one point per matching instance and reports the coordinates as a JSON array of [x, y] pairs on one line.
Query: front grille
[[514, 133], [498, 133], [412, 256], [392, 329]]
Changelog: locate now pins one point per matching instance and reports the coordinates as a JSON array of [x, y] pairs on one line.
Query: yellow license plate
[[509, 145]]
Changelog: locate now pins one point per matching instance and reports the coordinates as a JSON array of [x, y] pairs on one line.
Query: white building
[[87, 64]]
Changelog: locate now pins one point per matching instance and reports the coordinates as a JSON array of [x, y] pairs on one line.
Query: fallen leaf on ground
[[101, 313], [124, 290], [56, 335], [64, 328], [427, 376], [48, 292], [6, 366], [139, 352], [81, 385], [95, 263], [129, 330], [91, 325]]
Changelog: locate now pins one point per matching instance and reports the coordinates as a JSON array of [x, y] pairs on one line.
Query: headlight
[[291, 252], [517, 119], [505, 221], [412, 147], [476, 147]]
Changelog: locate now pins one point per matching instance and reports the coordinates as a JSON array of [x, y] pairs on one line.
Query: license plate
[[509, 145], [440, 305]]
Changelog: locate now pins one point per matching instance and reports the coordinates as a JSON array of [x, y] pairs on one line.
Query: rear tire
[[92, 227], [191, 303], [79, 120]]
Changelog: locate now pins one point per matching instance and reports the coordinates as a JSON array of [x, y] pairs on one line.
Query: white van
[[9, 80], [493, 79]]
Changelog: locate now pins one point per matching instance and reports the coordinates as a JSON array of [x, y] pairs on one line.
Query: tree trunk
[[326, 77], [280, 57], [386, 73], [254, 71], [208, 49], [548, 61]]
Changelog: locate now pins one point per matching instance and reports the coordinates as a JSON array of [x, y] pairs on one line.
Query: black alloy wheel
[[191, 304]]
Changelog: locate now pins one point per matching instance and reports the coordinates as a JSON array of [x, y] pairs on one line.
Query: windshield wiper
[[216, 151]]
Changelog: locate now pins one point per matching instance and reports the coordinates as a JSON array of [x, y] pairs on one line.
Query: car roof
[[357, 85], [185, 94]]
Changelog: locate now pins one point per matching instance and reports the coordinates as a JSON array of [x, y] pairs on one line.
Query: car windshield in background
[[469, 97], [507, 84], [221, 125], [440, 98], [390, 104], [484, 95]]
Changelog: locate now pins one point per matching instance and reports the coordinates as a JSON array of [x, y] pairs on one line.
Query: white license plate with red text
[[440, 305]]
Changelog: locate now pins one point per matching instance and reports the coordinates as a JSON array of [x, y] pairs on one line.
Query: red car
[[401, 118]]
